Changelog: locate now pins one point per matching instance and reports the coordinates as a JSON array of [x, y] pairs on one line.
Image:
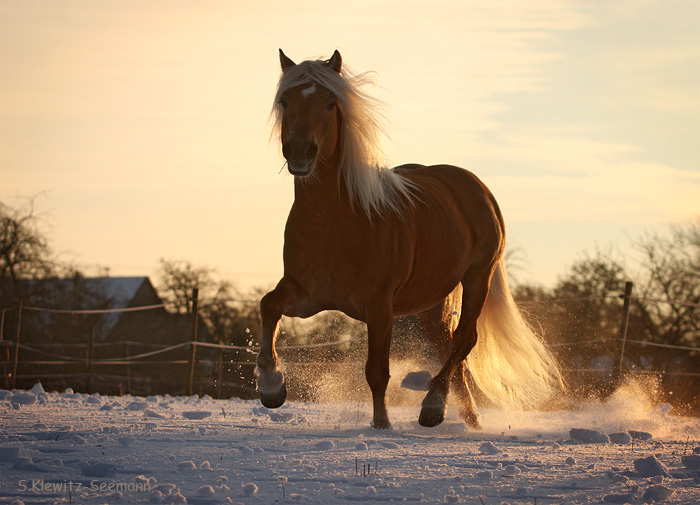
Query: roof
[[119, 291], [88, 293], [92, 293]]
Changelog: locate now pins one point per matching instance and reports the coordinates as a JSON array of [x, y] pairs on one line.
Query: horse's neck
[[322, 196]]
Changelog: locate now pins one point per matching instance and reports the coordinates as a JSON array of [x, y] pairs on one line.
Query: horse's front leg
[[270, 380], [377, 367]]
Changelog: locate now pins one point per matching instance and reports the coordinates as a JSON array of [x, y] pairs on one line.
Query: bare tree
[[668, 290], [588, 293], [231, 317], [178, 278], [24, 250]]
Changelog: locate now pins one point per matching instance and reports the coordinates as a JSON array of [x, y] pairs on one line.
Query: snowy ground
[[74, 448]]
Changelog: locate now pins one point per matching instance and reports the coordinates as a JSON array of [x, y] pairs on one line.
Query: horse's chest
[[331, 256], [321, 252]]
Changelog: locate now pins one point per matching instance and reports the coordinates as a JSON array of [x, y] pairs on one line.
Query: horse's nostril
[[299, 151], [311, 151]]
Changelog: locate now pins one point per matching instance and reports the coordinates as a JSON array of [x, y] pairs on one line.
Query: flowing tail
[[510, 363]]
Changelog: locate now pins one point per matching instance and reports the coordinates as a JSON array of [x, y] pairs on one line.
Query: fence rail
[[75, 312]]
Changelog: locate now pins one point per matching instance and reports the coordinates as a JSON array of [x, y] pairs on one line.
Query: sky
[[141, 128]]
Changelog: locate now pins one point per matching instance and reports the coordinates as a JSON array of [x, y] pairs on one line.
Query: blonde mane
[[369, 182]]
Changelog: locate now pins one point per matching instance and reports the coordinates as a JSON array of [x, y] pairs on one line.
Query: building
[[100, 324]]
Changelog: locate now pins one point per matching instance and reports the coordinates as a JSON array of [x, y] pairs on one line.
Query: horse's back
[[406, 167], [448, 182], [449, 174]]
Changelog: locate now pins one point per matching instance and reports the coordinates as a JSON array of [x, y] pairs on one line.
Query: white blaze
[[309, 91]]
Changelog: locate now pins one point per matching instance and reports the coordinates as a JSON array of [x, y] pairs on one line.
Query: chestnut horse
[[377, 243]]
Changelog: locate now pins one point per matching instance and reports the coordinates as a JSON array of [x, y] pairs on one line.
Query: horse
[[376, 243]]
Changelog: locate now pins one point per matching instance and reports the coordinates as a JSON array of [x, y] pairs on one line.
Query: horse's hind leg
[[467, 407], [437, 327], [475, 290]]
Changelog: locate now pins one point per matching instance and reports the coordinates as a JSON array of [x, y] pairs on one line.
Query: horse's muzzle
[[300, 169], [300, 156]]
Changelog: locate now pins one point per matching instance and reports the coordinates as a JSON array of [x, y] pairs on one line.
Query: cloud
[[570, 179]]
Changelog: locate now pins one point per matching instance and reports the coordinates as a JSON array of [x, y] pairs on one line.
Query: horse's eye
[[331, 106]]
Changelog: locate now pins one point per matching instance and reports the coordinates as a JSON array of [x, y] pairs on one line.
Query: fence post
[[220, 377], [19, 327], [622, 332], [90, 359], [5, 351], [128, 368], [193, 340]]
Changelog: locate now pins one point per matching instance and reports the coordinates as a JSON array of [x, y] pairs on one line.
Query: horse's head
[[329, 126], [308, 113]]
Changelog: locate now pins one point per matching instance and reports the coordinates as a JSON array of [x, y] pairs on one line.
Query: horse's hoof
[[472, 420], [381, 424], [274, 400], [431, 416]]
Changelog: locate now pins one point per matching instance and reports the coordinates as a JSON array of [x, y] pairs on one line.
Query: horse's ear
[[285, 62], [335, 62]]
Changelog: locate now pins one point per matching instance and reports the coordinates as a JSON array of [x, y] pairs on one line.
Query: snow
[[66, 447], [417, 381], [589, 436], [489, 448], [651, 467], [691, 462]]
